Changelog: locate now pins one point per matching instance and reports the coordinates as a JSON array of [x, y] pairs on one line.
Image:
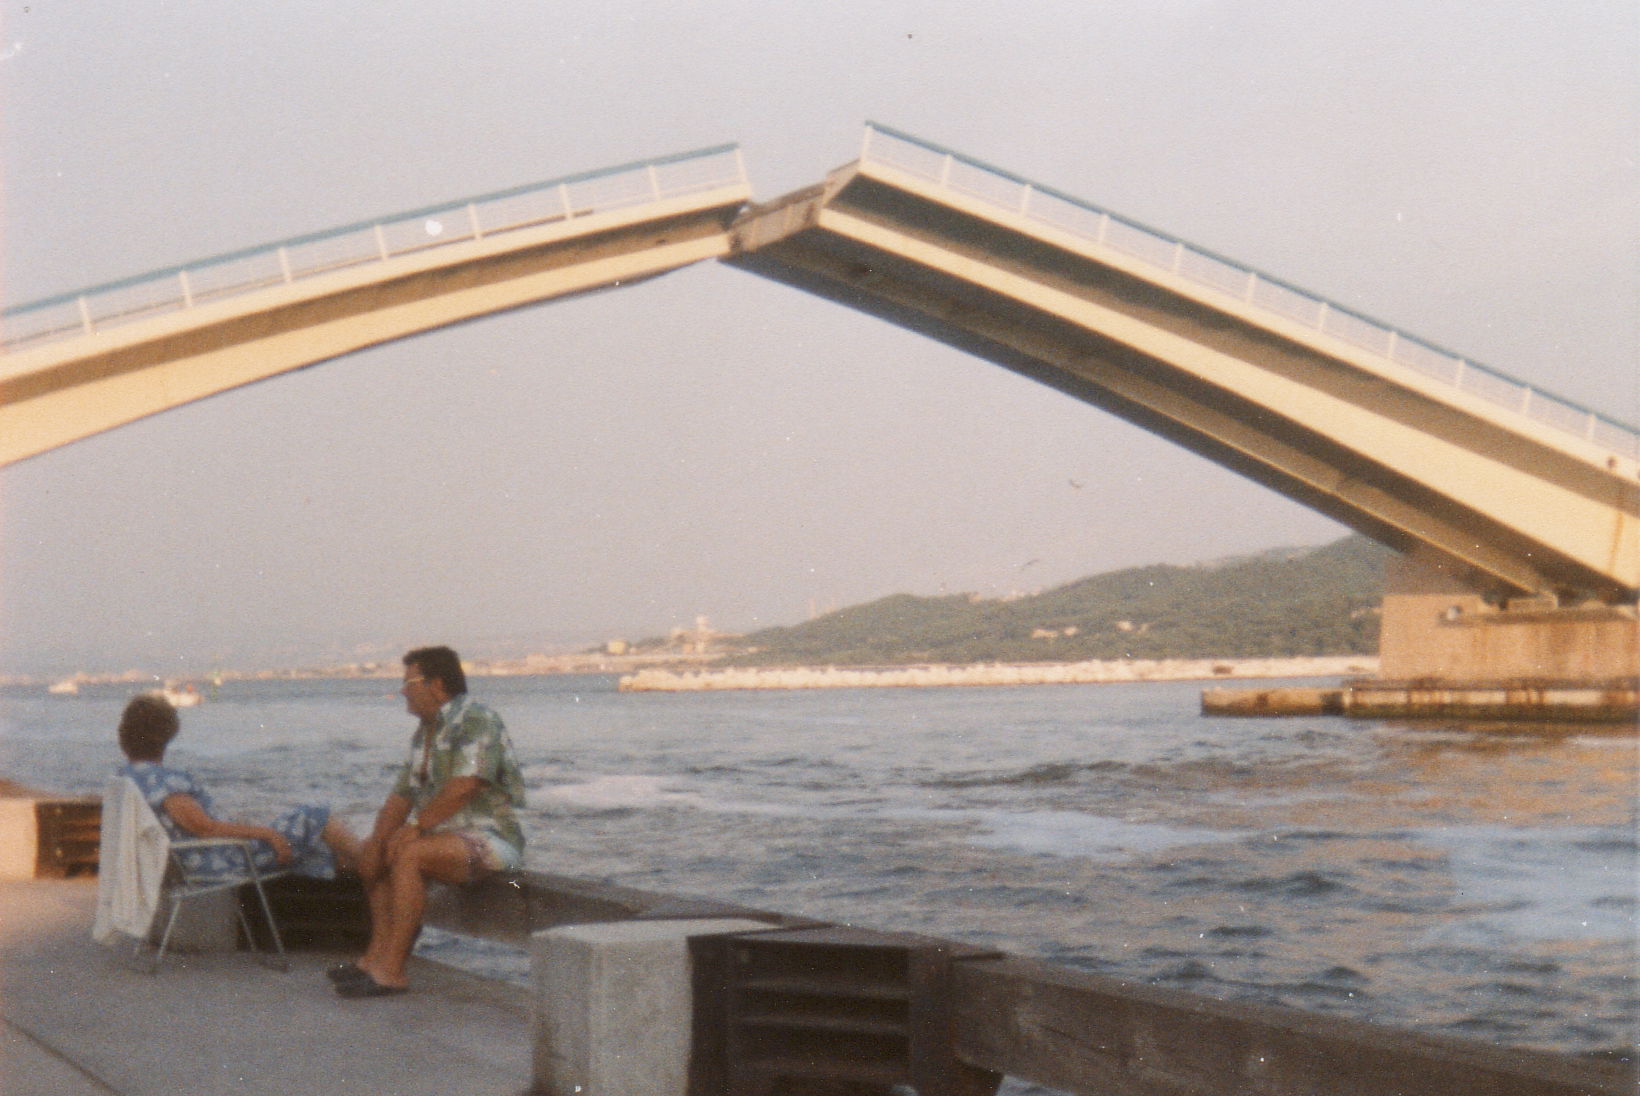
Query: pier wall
[[1092, 1035], [1089, 1035], [45, 836]]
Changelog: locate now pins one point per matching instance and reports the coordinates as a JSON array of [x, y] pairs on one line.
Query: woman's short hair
[[442, 665], [147, 727]]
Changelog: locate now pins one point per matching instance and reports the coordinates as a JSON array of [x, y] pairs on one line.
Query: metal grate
[[832, 1006], [70, 831]]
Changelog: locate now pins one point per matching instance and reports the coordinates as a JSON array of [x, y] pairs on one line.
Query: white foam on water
[[1084, 836], [621, 792], [639, 791]]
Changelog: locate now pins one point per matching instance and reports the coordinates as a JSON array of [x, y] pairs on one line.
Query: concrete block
[[613, 1006], [19, 838]]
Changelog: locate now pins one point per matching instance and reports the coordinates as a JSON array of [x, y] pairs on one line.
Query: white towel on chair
[[131, 867]]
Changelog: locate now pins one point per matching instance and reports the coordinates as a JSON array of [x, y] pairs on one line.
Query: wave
[[625, 792], [1240, 932], [1062, 834], [1084, 836], [620, 793], [1059, 772], [1499, 874], [1298, 884]]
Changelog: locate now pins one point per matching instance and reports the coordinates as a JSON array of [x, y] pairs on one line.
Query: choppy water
[[1457, 880]]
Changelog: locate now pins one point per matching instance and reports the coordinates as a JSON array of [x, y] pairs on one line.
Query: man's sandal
[[367, 987]]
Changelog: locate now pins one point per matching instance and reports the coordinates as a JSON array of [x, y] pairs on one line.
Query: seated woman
[[306, 840]]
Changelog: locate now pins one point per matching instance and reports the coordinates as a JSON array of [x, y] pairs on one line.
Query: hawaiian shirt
[[467, 739]]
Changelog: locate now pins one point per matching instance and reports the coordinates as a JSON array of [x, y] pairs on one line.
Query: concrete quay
[[630, 985], [1613, 702], [75, 1021]]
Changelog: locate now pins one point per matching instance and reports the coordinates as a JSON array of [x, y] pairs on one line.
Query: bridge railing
[[976, 180], [180, 287]]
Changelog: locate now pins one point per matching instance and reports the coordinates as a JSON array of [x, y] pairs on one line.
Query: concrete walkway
[[75, 1021]]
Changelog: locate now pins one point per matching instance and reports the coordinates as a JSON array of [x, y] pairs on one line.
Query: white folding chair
[[140, 872]]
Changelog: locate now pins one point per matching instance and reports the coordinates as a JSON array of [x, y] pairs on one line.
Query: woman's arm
[[186, 812]]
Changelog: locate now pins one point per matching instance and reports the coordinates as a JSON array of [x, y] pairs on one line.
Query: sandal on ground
[[367, 986], [345, 972]]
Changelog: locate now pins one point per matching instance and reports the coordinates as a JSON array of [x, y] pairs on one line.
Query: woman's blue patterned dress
[[301, 826]]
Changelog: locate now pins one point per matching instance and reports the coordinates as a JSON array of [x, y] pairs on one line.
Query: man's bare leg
[[373, 873], [399, 899]]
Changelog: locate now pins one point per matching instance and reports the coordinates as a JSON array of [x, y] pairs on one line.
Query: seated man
[[451, 816]]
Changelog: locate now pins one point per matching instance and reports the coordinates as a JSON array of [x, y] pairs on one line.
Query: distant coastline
[[696, 674], [1153, 623], [1036, 673], [697, 671], [586, 662]]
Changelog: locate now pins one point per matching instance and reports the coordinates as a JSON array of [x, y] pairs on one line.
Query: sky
[[710, 442]]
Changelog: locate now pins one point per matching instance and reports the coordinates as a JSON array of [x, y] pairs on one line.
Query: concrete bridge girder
[[1509, 512], [63, 391], [1027, 346]]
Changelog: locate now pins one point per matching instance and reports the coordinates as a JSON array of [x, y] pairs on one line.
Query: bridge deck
[[79, 364], [76, 1022], [1512, 490]]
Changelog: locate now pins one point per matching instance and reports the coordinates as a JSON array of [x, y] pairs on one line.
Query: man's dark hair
[[147, 726], [442, 665]]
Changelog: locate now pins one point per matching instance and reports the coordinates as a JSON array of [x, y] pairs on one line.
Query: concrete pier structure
[[614, 1011], [1438, 628]]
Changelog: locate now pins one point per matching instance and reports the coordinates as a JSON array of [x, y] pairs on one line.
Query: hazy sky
[[712, 442]]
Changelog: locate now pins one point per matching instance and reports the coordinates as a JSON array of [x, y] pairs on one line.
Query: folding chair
[[140, 872]]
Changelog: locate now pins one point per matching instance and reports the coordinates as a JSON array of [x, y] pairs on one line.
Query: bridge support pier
[[1435, 628], [1447, 652]]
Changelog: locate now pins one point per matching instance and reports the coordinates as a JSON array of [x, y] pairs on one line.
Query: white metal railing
[[286, 261], [973, 179]]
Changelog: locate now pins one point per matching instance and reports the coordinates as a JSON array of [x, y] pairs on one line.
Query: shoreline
[[1094, 672], [651, 667]]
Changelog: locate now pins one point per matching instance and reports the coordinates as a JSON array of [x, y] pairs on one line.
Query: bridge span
[[1516, 490], [1498, 485], [85, 362]]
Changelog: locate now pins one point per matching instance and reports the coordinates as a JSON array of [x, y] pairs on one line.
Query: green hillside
[[1287, 603]]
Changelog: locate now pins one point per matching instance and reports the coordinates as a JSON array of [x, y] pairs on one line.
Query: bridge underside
[[1418, 471]]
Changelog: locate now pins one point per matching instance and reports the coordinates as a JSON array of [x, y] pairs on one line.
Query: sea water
[[1457, 880]]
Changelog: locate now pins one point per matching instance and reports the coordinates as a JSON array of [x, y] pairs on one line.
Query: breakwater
[[1091, 672]]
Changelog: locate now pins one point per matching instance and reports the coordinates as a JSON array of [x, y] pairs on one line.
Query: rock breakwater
[[1027, 673]]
